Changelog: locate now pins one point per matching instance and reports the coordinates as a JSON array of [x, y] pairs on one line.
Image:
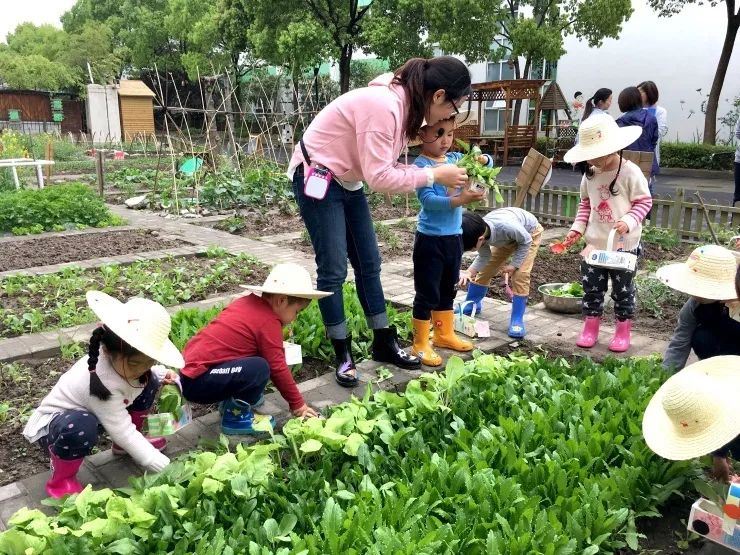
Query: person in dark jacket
[[630, 103]]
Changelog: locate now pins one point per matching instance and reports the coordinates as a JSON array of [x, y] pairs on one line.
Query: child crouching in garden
[[232, 358], [438, 248], [614, 195], [114, 385], [499, 235]]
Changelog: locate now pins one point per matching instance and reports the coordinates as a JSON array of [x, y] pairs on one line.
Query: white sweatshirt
[[72, 392]]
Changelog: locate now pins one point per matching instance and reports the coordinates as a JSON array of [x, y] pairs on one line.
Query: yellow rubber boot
[[444, 332], [421, 347]]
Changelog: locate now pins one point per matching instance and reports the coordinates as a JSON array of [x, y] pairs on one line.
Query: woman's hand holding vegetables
[[450, 175]]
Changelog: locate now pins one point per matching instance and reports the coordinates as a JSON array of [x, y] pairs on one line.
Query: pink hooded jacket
[[359, 137]]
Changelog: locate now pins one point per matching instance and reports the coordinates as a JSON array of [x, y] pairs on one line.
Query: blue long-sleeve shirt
[[437, 216]]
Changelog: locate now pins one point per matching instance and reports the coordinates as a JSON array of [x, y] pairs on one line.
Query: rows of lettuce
[[497, 455]]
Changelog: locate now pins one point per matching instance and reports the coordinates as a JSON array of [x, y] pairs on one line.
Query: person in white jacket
[[649, 93], [115, 385]]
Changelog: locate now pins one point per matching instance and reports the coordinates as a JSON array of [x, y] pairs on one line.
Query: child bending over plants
[[114, 385], [438, 248], [614, 196], [694, 413], [709, 321], [232, 358], [499, 235]]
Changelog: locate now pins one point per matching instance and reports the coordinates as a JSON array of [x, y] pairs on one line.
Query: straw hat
[[599, 135], [142, 323], [709, 273], [695, 411], [289, 279]]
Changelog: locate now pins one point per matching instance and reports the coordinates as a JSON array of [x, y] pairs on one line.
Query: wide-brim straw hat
[[709, 273], [289, 279], [599, 135], [142, 323], [695, 411]]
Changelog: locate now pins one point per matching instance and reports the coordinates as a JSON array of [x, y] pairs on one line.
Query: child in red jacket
[[232, 358]]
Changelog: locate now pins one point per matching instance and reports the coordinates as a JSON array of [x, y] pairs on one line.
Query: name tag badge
[[317, 182]]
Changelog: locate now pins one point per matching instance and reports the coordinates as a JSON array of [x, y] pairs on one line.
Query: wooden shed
[[137, 109]]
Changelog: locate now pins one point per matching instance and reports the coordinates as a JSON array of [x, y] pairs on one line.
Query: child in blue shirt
[[438, 247]]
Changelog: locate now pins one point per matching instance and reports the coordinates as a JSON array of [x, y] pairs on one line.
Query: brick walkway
[[106, 470]]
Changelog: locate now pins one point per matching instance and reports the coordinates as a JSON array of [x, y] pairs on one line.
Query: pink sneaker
[[622, 336], [138, 417], [590, 333]]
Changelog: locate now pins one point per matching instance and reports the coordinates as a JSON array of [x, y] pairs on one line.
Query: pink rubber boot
[[138, 417], [622, 335], [590, 332], [63, 479]]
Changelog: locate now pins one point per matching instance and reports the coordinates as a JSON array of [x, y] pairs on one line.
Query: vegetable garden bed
[[44, 251], [32, 304], [516, 456]]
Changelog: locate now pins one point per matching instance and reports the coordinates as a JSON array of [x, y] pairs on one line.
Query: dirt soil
[[43, 251], [25, 382]]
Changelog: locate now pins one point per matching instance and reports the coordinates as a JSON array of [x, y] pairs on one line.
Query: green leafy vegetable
[[477, 171], [572, 289]]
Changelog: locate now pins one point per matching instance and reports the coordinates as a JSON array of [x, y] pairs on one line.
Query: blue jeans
[[340, 226]]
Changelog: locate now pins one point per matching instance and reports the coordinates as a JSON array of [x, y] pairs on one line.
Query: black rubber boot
[[387, 349], [344, 362]]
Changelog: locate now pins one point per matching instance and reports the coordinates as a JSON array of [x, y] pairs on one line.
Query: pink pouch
[[317, 182]]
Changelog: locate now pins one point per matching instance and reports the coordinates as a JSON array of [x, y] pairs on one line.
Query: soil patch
[[257, 224], [43, 251]]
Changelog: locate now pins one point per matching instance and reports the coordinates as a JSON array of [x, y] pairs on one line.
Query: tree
[[667, 8], [35, 72]]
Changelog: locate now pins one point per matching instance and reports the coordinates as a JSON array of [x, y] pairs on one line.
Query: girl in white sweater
[[114, 385], [614, 196]]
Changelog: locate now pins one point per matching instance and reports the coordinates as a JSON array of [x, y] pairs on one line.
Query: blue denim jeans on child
[[340, 226], [74, 433]]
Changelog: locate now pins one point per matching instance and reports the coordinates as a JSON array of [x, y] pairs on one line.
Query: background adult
[[359, 137], [630, 103], [649, 96], [599, 103]]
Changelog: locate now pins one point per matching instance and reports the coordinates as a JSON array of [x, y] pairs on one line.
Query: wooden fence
[[682, 214]]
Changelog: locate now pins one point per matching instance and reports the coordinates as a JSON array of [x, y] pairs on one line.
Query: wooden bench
[[516, 138]]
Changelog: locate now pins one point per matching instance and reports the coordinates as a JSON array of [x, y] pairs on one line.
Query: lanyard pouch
[[318, 178]]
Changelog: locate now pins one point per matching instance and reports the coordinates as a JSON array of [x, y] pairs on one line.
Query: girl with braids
[[614, 196], [358, 138], [115, 385]]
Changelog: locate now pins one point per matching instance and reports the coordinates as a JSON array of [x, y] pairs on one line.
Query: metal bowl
[[565, 305]]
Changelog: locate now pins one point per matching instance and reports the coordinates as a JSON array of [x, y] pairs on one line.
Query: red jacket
[[247, 327]]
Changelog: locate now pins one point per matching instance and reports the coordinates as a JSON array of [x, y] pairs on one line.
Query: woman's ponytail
[[588, 109], [97, 388]]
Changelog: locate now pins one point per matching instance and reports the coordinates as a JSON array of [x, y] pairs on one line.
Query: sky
[[14, 12]]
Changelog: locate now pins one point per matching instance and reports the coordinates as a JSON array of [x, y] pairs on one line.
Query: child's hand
[[621, 227], [305, 412], [465, 277], [572, 236], [169, 378], [508, 270], [721, 469], [467, 196], [483, 159]]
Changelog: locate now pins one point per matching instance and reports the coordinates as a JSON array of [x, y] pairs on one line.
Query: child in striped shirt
[[614, 195]]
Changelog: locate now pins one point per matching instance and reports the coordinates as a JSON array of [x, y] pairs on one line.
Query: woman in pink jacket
[[359, 138]]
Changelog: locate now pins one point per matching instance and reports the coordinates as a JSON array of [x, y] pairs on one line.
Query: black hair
[[602, 95], [578, 93], [737, 282], [113, 344], [651, 91], [630, 99], [291, 298], [586, 169], [421, 78], [439, 132], [473, 227]]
